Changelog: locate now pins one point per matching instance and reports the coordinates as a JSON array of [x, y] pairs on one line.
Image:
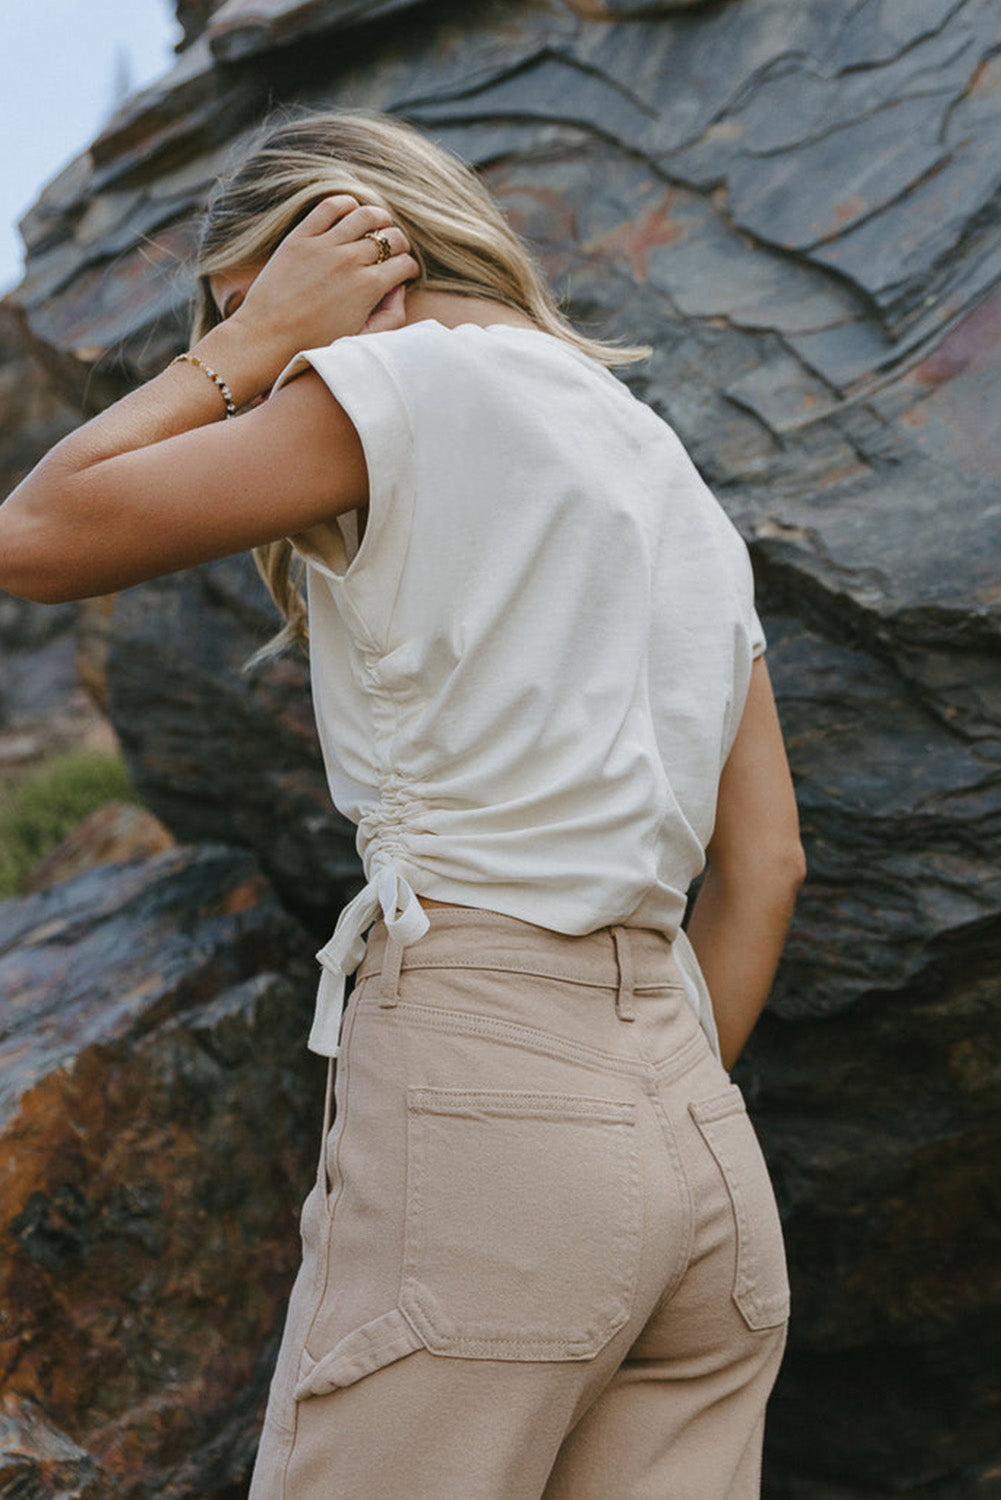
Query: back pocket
[[761, 1283], [523, 1222]]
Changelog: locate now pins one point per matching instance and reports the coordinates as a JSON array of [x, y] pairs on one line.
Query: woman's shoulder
[[477, 357]]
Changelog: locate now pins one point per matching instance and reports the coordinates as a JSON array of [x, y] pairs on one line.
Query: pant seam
[[329, 1204], [539, 968], [687, 1239], [514, 1034], [687, 1242]]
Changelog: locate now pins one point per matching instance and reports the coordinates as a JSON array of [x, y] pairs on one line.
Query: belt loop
[[328, 1098], [389, 987], [624, 957]]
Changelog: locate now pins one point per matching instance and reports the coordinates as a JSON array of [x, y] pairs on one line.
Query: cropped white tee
[[528, 675]]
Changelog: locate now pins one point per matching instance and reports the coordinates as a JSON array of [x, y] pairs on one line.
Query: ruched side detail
[[382, 838]]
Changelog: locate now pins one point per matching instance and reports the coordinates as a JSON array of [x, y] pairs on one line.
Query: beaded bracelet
[[227, 394]]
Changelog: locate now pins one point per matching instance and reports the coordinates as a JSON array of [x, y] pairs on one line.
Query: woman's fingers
[[391, 311], [342, 220], [324, 215], [394, 237], [396, 270], [368, 219], [327, 278]]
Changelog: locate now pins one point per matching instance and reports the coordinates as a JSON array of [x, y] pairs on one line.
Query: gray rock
[[193, 16], [38, 1462], [241, 28], [36, 641], [217, 754], [159, 1119]]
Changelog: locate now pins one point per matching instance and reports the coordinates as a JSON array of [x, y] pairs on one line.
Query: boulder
[[159, 1121], [36, 641], [112, 833], [33, 413], [872, 1078], [193, 17], [42, 707], [216, 753], [796, 202]]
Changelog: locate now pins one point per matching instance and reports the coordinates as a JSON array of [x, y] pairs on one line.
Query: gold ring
[[385, 248]]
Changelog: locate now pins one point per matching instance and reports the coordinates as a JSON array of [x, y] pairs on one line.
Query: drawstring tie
[[387, 894]]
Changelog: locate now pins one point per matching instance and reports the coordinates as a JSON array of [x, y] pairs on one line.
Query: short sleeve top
[[528, 674]]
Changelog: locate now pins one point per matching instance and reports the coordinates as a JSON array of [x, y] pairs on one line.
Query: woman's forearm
[[161, 481], [317, 285], [61, 507], [738, 927], [179, 399]]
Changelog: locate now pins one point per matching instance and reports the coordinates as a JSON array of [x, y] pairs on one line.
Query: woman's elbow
[[30, 577], [29, 554], [43, 594], [783, 866], [773, 867], [37, 586], [794, 864]]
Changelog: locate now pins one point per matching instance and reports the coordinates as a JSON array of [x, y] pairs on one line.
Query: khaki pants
[[542, 1259]]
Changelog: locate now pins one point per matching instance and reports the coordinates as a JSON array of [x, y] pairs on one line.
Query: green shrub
[[37, 813]]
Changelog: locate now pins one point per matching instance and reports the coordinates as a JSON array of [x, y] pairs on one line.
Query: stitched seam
[[688, 1239], [626, 1239], [331, 1199], [660, 1073], [670, 1067], [512, 1033], [538, 969], [329, 1203], [719, 1106], [487, 1341], [744, 1291], [513, 1102], [389, 1342]]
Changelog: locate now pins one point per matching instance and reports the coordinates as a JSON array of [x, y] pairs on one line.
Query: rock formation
[[37, 671], [797, 203], [219, 754], [111, 834], [157, 1125]]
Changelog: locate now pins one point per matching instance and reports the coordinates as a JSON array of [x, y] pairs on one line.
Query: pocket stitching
[[418, 1302], [513, 1033], [758, 1310], [718, 1106]]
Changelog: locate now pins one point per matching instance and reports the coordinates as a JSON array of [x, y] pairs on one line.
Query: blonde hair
[[457, 235]]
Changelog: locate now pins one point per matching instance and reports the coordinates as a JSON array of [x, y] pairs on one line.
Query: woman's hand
[[323, 281], [159, 481]]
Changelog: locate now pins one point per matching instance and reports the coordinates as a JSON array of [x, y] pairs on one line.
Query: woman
[[542, 1256]]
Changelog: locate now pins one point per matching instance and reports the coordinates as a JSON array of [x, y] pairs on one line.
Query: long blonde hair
[[457, 235]]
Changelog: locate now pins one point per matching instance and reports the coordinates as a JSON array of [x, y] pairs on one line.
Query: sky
[[63, 64]]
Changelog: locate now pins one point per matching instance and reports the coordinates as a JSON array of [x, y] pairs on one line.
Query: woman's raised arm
[[158, 482]]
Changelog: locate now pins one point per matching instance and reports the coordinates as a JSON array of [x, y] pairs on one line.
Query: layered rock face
[[797, 203], [221, 754], [157, 1122], [37, 644]]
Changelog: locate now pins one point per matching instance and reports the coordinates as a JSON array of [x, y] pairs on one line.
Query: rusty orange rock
[[158, 1114], [116, 831]]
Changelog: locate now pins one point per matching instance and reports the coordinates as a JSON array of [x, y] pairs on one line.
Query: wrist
[[213, 375], [247, 361]]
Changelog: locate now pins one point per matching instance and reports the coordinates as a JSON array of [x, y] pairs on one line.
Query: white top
[[529, 674]]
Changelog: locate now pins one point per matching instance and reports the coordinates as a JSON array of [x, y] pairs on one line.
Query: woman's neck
[[453, 308]]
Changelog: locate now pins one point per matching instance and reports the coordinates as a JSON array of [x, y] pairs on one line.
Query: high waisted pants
[[542, 1259]]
